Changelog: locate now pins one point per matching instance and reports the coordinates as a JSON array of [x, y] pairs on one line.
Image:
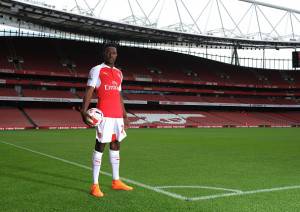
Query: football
[[97, 116]]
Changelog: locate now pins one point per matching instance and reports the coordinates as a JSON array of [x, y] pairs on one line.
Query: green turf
[[243, 159]]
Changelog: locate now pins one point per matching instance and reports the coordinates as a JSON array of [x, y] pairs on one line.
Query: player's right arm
[[85, 105], [93, 81]]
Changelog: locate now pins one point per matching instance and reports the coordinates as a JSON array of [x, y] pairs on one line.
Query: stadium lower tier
[[29, 118]]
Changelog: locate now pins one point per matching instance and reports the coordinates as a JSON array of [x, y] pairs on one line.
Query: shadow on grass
[[52, 174], [47, 172], [59, 182], [40, 181]]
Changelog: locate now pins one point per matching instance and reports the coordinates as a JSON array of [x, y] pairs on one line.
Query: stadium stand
[[154, 65], [148, 97], [55, 118], [13, 118], [175, 81], [8, 92], [48, 93], [185, 118]]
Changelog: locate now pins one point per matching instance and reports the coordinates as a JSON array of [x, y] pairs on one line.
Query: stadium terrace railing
[[144, 102], [276, 64]]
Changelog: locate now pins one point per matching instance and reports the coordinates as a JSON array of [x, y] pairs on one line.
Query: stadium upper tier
[[51, 57]]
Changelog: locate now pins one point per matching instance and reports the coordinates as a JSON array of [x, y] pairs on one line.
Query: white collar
[[103, 64]]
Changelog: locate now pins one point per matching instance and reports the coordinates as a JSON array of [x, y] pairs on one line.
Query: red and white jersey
[[107, 83]]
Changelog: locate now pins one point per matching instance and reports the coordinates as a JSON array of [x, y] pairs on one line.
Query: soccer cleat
[[95, 191], [119, 185]]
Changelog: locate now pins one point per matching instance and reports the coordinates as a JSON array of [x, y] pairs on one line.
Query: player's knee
[[115, 146], [99, 147]]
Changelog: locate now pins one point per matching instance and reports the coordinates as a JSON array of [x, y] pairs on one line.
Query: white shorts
[[110, 128]]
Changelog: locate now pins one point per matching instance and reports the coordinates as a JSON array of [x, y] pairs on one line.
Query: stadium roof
[[95, 27]]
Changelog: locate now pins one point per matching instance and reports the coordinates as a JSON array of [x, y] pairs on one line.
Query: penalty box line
[[241, 193], [157, 189]]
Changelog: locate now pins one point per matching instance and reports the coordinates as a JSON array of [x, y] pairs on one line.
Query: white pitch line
[[176, 196], [244, 193], [199, 186]]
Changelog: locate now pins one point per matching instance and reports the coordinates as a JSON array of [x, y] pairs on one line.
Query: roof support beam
[[271, 5]]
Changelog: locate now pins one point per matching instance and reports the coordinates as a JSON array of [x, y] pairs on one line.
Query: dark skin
[[110, 55]]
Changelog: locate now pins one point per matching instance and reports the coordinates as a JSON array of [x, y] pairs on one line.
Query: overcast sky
[[118, 9], [209, 21]]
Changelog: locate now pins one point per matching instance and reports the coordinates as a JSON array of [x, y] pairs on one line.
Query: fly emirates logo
[[113, 87]]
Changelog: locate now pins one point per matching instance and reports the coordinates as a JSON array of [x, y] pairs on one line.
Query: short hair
[[109, 44]]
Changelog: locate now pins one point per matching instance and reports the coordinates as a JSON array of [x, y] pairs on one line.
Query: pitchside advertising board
[[296, 59]]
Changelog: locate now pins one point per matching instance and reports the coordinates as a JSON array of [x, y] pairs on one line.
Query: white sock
[[97, 158], [115, 163]]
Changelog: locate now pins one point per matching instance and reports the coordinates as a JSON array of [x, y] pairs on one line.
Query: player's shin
[[97, 159], [115, 163]]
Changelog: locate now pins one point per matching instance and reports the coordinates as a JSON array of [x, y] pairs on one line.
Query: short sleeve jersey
[[107, 83]]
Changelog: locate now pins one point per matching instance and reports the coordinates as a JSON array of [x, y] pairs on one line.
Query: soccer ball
[[97, 116]]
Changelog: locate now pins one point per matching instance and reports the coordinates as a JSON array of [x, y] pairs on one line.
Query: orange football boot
[[119, 185], [95, 191]]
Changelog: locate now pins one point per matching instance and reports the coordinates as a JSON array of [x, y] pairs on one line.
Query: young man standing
[[106, 80]]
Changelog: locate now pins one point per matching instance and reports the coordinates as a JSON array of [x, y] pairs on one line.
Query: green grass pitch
[[238, 169]]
